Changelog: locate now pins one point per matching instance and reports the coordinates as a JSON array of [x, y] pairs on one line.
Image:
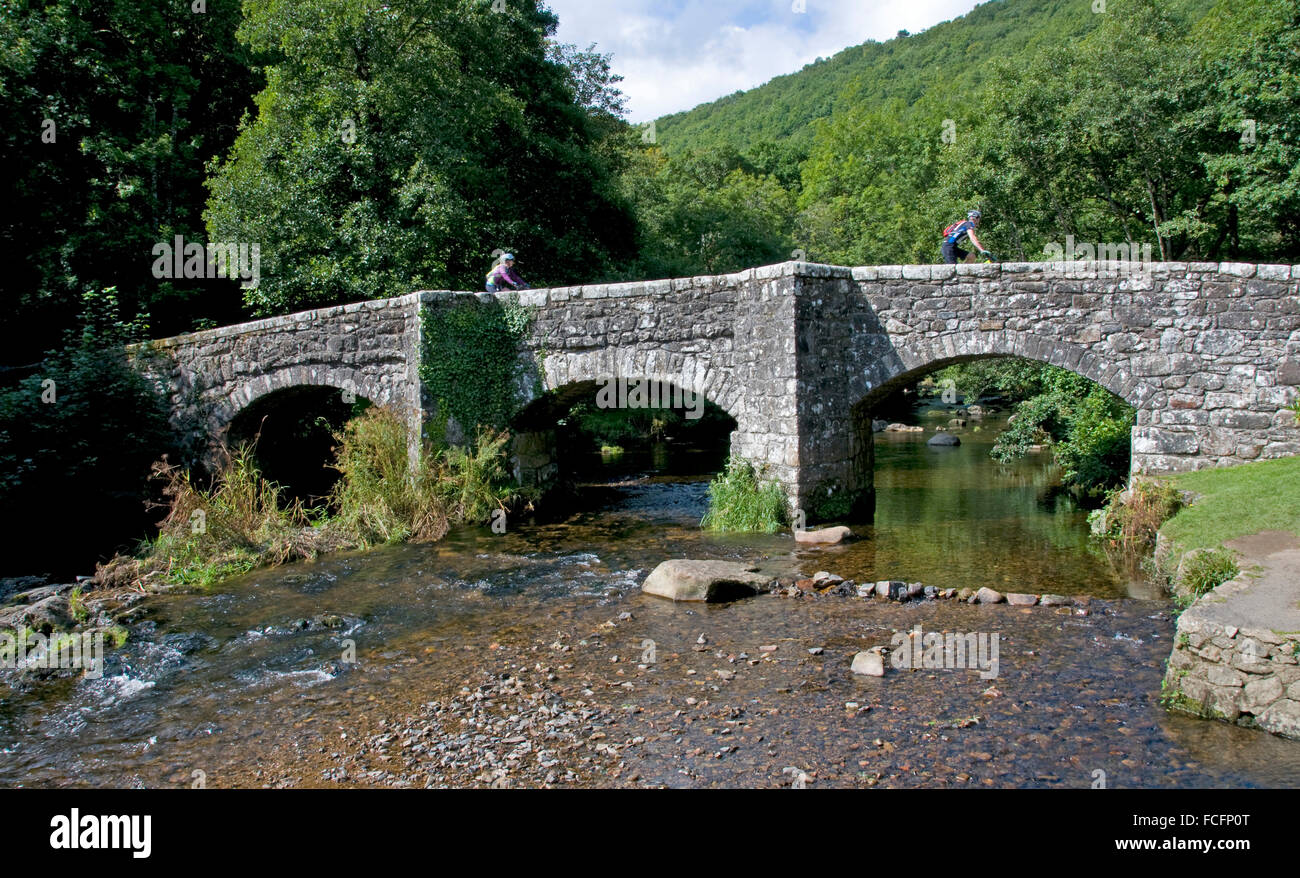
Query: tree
[[108, 112], [77, 438], [1254, 161], [707, 212], [396, 145]]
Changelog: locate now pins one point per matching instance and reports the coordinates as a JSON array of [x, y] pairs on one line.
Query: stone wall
[[1246, 675]]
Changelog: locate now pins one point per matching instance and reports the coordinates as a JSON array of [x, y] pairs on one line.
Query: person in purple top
[[504, 277]]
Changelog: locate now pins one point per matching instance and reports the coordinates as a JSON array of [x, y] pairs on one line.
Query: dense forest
[[371, 148]]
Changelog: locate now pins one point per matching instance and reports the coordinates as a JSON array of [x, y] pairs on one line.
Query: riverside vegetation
[[241, 522], [1180, 523]]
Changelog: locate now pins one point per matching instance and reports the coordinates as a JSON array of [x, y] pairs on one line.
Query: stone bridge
[[797, 353]]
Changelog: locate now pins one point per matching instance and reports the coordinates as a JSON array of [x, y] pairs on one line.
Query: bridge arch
[[910, 358], [571, 377], [258, 387], [693, 373]]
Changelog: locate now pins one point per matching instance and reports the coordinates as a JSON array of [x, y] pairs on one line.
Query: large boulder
[[943, 440], [686, 580], [825, 535]]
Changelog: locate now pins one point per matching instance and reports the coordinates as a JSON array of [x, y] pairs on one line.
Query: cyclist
[[503, 275], [952, 236]]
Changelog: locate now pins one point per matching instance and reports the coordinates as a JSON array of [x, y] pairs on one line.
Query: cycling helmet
[[973, 214]]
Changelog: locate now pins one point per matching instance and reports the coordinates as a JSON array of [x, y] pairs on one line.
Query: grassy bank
[[1235, 502], [1187, 519]]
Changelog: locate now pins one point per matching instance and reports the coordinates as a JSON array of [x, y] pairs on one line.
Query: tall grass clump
[[380, 498], [210, 533], [474, 482], [1132, 517], [1203, 570], [738, 502], [242, 520]]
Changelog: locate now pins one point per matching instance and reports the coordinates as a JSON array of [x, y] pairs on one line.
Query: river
[[531, 657]]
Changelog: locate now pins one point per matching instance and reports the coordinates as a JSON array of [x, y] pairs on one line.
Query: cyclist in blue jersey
[[952, 237]]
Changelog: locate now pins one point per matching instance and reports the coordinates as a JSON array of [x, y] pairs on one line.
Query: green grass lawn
[[1237, 501]]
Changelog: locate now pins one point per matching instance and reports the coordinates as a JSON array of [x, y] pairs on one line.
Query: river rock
[[869, 664], [987, 595], [45, 616], [1054, 600], [931, 592], [14, 584], [975, 411], [964, 594], [943, 440], [878, 425], [915, 590], [1017, 599], [957, 422], [902, 428], [683, 579], [826, 535]]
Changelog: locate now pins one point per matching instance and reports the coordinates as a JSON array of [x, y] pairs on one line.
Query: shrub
[[1087, 426], [473, 483], [381, 498], [77, 438], [738, 502], [1203, 570]]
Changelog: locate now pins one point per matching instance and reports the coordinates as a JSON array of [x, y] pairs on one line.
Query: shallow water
[[283, 676]]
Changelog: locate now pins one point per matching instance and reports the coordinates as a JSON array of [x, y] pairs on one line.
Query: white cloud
[[675, 54]]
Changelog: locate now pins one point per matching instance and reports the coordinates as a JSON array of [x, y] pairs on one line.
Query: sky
[[675, 54]]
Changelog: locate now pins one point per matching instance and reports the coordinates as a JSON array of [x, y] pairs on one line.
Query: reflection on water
[[251, 684], [954, 517]]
